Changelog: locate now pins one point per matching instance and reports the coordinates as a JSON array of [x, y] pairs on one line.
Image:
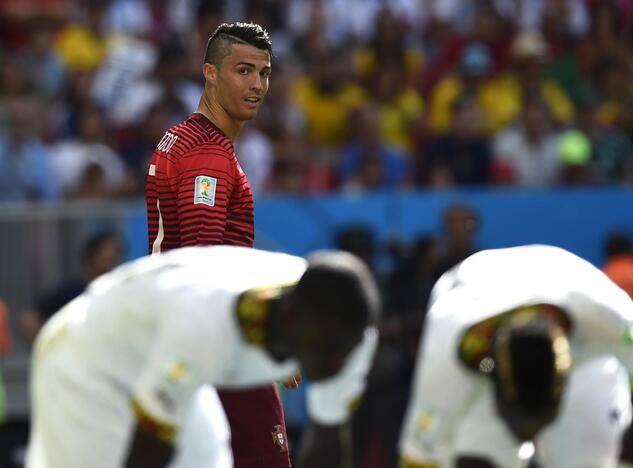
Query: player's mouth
[[253, 101]]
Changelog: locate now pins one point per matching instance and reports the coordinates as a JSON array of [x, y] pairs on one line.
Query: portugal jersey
[[197, 193]]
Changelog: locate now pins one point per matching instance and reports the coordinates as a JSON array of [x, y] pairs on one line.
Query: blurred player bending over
[[521, 344], [114, 371]]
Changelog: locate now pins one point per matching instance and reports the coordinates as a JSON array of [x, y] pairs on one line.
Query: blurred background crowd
[[365, 94]]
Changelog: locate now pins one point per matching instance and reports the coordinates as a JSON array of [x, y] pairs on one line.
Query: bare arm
[[148, 451], [473, 462], [329, 446]]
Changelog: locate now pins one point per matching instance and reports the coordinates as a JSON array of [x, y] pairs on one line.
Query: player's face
[[242, 81], [526, 425], [322, 350]]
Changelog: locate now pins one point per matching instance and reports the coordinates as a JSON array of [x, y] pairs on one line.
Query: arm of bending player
[[602, 316], [179, 363], [442, 390], [327, 439]]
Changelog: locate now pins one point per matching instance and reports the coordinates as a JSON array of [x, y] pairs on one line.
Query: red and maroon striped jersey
[[197, 193]]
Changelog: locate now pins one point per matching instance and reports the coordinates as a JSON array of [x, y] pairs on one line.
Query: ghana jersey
[[469, 303], [196, 191], [150, 333]]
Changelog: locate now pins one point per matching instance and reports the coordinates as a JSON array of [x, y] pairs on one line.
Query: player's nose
[[257, 84]]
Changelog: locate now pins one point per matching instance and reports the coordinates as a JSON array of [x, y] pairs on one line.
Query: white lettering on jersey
[[167, 142]]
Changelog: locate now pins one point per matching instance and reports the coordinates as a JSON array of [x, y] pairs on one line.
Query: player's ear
[[210, 72]]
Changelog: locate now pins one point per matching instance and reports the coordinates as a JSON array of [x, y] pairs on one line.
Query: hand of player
[[293, 382]]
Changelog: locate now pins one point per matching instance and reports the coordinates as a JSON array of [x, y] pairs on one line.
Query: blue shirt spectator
[[25, 168]]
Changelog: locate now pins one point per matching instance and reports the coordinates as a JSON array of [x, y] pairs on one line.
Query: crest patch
[[204, 190], [279, 439]]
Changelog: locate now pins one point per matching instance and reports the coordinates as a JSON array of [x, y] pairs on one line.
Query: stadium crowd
[[365, 95]]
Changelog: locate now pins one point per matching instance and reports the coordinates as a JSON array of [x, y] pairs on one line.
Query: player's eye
[[265, 73], [243, 71]]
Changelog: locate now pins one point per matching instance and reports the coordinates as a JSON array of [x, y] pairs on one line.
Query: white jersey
[[149, 334], [167, 324], [483, 286]]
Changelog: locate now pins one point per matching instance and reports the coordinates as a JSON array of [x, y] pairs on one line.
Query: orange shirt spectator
[[619, 263]]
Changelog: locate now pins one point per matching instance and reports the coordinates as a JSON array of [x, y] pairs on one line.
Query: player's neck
[[218, 116], [276, 331]]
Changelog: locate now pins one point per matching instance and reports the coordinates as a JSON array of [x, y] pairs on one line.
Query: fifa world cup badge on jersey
[[279, 439], [204, 190]]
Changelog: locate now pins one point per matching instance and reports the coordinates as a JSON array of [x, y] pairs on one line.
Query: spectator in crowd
[[531, 54], [326, 100], [616, 97], [81, 44], [26, 169], [368, 162], [459, 225], [256, 157], [527, 154], [101, 253], [86, 166], [401, 109], [137, 142], [167, 83], [611, 158], [472, 76], [288, 177], [409, 284], [618, 265], [460, 157], [40, 62]]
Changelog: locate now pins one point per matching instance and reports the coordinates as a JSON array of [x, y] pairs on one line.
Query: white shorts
[[594, 413]]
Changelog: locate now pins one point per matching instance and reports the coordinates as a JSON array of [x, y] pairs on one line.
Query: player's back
[[541, 271], [194, 180], [191, 292], [492, 282]]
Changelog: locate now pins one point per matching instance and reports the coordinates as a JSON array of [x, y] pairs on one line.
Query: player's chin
[[249, 111]]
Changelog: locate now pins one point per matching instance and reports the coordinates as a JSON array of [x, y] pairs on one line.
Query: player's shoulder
[[237, 257], [532, 257], [196, 135]]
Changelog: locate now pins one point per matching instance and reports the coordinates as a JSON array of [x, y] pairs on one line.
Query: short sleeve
[[183, 358], [207, 177], [442, 391]]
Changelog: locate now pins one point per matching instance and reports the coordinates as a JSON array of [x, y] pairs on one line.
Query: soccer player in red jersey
[[197, 194]]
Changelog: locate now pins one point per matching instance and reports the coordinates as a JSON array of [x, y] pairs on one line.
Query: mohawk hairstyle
[[227, 34]]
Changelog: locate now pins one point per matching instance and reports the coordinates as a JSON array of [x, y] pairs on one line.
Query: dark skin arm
[[473, 462], [329, 446], [148, 451]]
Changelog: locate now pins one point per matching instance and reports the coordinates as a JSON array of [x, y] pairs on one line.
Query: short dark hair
[[527, 371], [222, 39], [618, 243], [338, 285], [98, 240]]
